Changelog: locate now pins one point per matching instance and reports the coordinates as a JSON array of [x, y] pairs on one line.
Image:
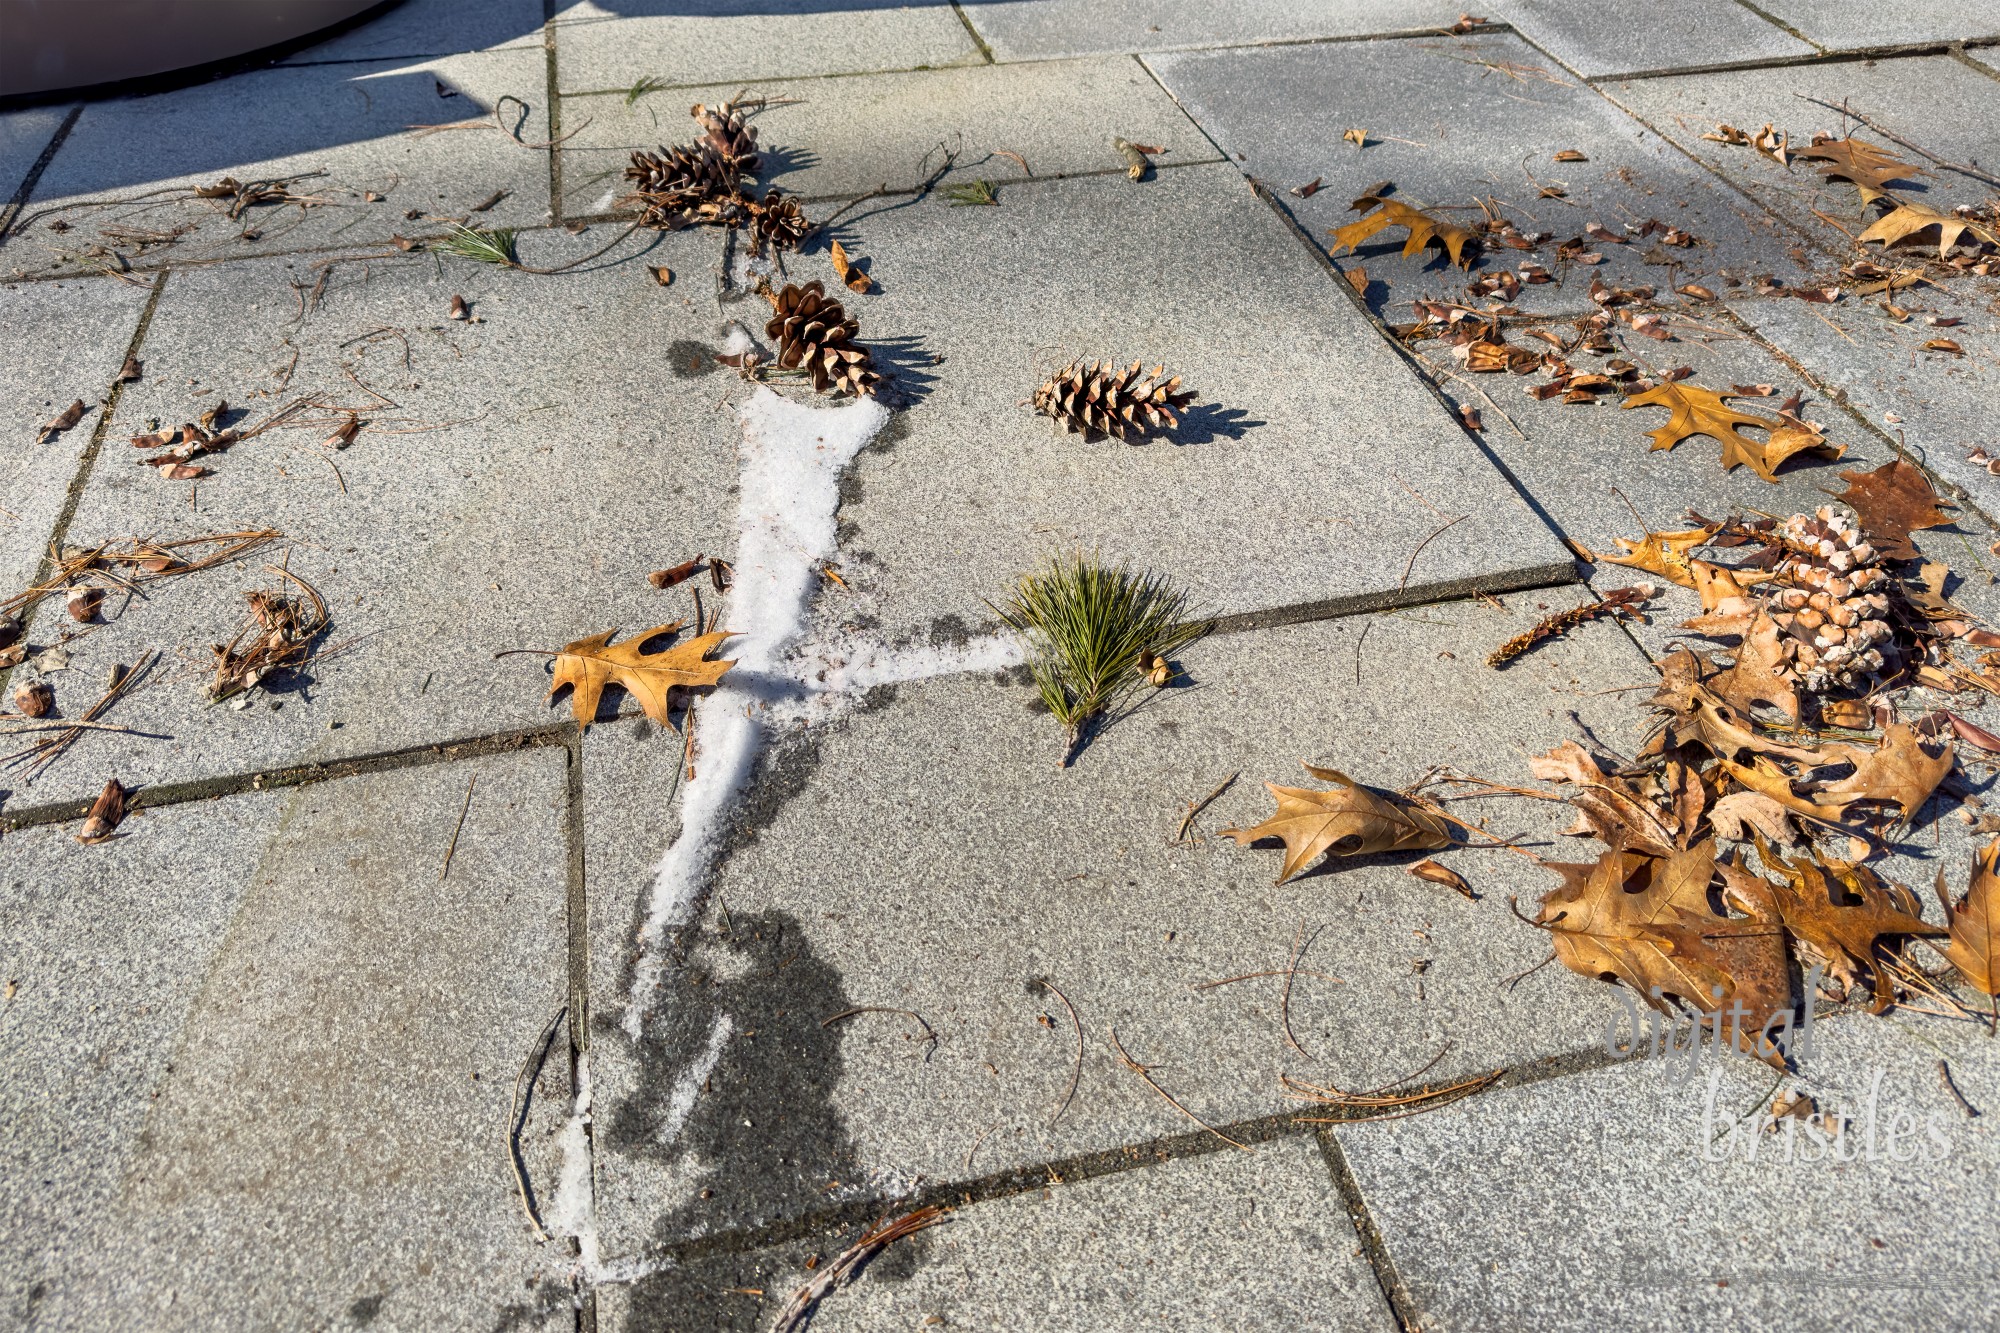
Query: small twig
[[1146, 1074], [1076, 1071], [929, 1035], [445, 869], [1508, 983], [1299, 944], [1403, 583], [1196, 807], [799, 1309], [1944, 1076], [1254, 976], [976, 1142], [531, 1070]]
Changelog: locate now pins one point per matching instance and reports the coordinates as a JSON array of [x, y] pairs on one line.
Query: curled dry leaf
[[590, 664], [1308, 190], [1664, 553], [1359, 138], [849, 272], [1443, 874], [62, 421], [1423, 228], [661, 274], [1907, 221], [1868, 168], [1975, 922], [343, 434], [1840, 908], [1944, 345], [667, 578], [459, 309], [1350, 820], [82, 603], [34, 698], [1571, 155], [132, 369], [104, 816]]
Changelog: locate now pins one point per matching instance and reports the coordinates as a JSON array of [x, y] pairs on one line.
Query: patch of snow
[[680, 1103]]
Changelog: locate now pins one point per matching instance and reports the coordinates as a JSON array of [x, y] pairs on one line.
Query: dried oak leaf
[[1899, 772], [1351, 820], [1438, 873], [104, 815], [61, 422], [1907, 220], [1893, 501], [1861, 163], [1840, 908], [1607, 808], [1975, 923], [1663, 553], [1424, 229], [1699, 411], [591, 664], [1647, 921], [1762, 672]]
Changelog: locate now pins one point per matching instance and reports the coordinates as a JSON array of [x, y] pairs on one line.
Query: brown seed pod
[[813, 333], [34, 698], [1099, 401]]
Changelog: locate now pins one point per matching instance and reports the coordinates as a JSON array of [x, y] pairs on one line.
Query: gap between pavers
[[619, 45], [1615, 37], [1857, 25], [925, 853], [583, 444], [1960, 118], [836, 138], [260, 1058], [24, 135], [1308, 479], [369, 126], [1586, 1202], [65, 341], [1216, 1241], [1040, 29], [1454, 120]]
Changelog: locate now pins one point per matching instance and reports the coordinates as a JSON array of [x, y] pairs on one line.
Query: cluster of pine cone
[[702, 183], [1835, 603]]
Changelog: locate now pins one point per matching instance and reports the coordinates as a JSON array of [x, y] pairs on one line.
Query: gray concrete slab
[[1958, 120], [558, 449], [1039, 29], [1853, 25], [65, 341], [1937, 403], [260, 1060], [432, 28], [24, 135], [846, 137], [1304, 481], [1586, 1202], [1455, 120], [611, 47], [1629, 36], [1224, 1240], [926, 853], [367, 126]]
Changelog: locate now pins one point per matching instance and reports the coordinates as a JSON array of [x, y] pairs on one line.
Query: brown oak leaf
[[1424, 229], [1663, 553], [1868, 168], [1350, 820], [1907, 220], [1840, 908], [1699, 411], [1975, 922], [1893, 501], [591, 664]]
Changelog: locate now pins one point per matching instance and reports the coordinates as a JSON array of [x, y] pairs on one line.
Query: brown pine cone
[[779, 221], [685, 186], [813, 332], [725, 131], [1100, 401], [1836, 606]]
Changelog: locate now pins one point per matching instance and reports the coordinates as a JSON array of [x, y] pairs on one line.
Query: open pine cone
[[1836, 608], [780, 223], [814, 333], [1101, 401], [686, 185], [724, 130]]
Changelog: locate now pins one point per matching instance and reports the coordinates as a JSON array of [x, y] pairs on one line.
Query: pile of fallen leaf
[[1736, 842]]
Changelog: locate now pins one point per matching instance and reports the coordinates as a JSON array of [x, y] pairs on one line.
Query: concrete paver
[[1618, 1197], [1038, 29], [613, 47], [348, 129], [1851, 25], [836, 138], [1453, 121], [273, 1063], [1628, 36]]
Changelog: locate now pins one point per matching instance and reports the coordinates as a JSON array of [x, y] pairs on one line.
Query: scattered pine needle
[[1076, 1070], [1145, 1072], [848, 1264], [929, 1034]]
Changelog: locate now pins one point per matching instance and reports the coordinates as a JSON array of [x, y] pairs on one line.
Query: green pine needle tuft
[[1088, 626], [488, 247]]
